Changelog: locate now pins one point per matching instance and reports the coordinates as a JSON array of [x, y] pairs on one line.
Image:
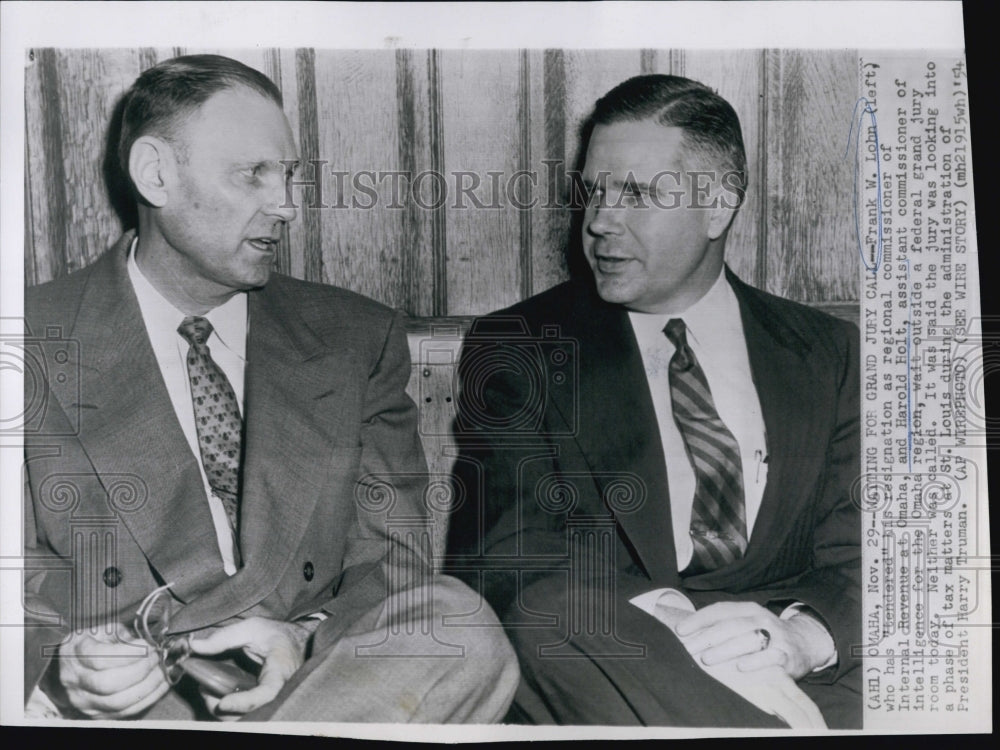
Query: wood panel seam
[[406, 154], [439, 229], [647, 61], [526, 251], [55, 171], [305, 69]]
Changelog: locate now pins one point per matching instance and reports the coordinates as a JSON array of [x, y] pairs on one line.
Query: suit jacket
[[115, 505], [557, 426]]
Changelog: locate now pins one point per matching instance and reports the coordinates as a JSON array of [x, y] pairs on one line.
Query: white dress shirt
[[715, 334], [228, 343]]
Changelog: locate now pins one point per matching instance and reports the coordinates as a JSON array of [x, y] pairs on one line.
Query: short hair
[[710, 124], [168, 93]]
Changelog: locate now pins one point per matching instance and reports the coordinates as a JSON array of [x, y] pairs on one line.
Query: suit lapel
[[291, 447], [618, 434], [618, 430], [130, 433]]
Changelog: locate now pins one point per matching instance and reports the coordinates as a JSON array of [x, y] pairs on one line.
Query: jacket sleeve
[[518, 479], [46, 622], [44, 625], [832, 585], [494, 527], [387, 548]]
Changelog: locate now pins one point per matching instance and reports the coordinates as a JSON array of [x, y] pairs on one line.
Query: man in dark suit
[[658, 459], [240, 441]]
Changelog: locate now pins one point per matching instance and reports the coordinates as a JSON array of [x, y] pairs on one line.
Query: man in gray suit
[[240, 441]]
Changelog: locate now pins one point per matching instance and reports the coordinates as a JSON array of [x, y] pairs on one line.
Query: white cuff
[[314, 616], [795, 608], [649, 601]]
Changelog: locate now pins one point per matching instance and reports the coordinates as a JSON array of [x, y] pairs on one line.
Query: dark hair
[[710, 124], [167, 93]]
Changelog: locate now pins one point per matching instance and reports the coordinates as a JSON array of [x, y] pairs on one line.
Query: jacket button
[[308, 571], [112, 577]]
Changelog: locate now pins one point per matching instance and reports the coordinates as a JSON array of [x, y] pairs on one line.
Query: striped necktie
[[718, 516]]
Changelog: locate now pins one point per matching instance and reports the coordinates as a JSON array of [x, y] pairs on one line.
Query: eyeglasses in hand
[[152, 624]]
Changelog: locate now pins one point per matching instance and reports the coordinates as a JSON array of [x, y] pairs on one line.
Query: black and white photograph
[[371, 366]]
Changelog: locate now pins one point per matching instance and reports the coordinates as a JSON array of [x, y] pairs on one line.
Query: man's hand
[[112, 677], [279, 646], [771, 689], [726, 631]]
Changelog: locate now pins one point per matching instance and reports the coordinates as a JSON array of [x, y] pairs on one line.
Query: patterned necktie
[[718, 516], [216, 416]]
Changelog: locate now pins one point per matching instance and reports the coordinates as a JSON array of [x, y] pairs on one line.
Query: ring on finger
[[765, 638]]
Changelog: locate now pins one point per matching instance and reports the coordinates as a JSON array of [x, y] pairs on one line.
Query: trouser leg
[[637, 674], [841, 702], [435, 654]]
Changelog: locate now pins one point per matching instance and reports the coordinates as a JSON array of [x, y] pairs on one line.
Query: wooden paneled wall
[[476, 112]]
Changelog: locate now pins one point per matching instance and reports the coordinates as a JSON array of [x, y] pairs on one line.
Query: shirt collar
[[715, 315], [229, 320]]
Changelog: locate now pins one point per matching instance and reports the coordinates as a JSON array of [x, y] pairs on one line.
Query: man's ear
[[722, 213], [151, 165]]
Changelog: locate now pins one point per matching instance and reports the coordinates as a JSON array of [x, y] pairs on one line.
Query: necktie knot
[[195, 330], [676, 331]]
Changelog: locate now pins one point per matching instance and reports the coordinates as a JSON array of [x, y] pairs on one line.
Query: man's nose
[[280, 203], [604, 219]]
